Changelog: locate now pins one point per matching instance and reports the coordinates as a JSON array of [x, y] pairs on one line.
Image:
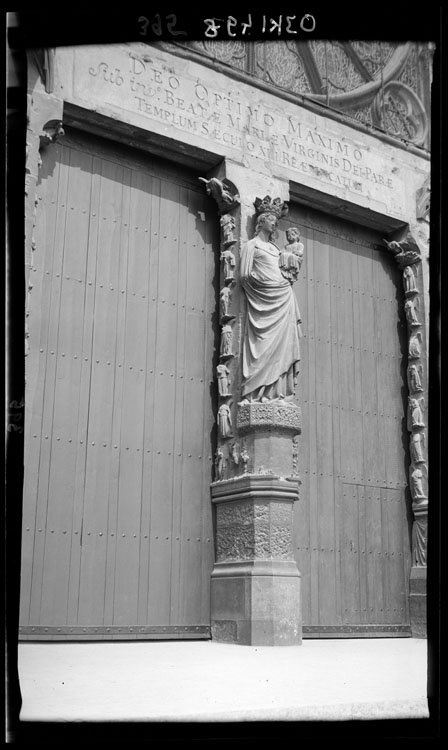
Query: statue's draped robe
[[271, 341]]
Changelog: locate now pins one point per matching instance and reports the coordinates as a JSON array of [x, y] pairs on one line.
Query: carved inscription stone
[[201, 105]]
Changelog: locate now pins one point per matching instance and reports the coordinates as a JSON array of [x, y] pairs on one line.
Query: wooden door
[[352, 532], [117, 530]]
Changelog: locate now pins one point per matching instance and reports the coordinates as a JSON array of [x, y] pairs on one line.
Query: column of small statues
[[416, 424], [223, 374], [407, 256]]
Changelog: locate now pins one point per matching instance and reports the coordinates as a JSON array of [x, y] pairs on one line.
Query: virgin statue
[[271, 350]]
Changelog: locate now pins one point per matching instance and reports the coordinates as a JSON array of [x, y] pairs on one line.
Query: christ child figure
[[291, 257]]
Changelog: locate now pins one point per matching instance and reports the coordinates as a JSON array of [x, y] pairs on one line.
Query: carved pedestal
[[255, 586], [268, 429]]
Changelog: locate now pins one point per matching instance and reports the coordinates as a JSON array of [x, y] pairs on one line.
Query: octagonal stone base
[[255, 585], [256, 610]]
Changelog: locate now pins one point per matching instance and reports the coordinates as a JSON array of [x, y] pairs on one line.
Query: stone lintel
[[276, 415]]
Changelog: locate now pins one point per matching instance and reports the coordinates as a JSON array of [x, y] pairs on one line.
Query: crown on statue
[[269, 206]]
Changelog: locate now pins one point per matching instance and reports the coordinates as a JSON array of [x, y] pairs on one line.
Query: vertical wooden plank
[[384, 611], [398, 582], [356, 426], [66, 392], [211, 267], [324, 436], [175, 617], [132, 416], [302, 531], [35, 364], [347, 375], [48, 399], [380, 361], [117, 301], [375, 592], [75, 593], [163, 409], [349, 555], [362, 561], [335, 295], [312, 425], [367, 365], [193, 421], [99, 449], [149, 443], [406, 552]]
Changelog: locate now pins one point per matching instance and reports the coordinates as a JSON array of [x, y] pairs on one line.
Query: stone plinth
[[283, 416], [255, 586], [417, 601], [268, 430]]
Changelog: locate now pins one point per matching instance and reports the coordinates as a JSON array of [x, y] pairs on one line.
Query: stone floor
[[202, 681]]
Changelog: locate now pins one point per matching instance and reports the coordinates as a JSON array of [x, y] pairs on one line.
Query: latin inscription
[[226, 118]]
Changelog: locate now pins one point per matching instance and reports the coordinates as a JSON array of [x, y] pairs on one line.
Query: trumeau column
[[255, 586]]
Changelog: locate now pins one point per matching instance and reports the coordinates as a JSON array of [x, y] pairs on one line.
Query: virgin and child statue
[[271, 351]]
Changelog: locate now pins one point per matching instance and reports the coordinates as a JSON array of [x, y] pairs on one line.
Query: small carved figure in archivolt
[[227, 225], [414, 378], [219, 464], [225, 421], [291, 257], [415, 412], [409, 280], [226, 341], [223, 374], [416, 477], [229, 264], [411, 315], [224, 195], [236, 453], [403, 251], [245, 459], [225, 300], [415, 341], [416, 445]]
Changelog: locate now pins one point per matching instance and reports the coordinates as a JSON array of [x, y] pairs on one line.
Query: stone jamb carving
[[407, 255], [226, 196]]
